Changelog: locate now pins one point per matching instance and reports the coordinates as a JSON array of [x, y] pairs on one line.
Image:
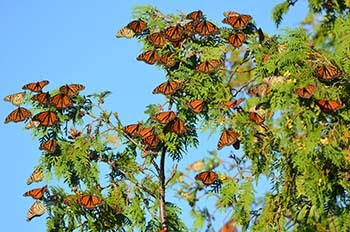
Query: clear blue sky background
[[73, 42]]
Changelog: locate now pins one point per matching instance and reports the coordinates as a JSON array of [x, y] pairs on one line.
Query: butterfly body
[[18, 115], [207, 177], [208, 66], [46, 118], [228, 137], [61, 101], [236, 39], [36, 210], [306, 92], [236, 20], [137, 26], [257, 118], [36, 86], [36, 176], [149, 57], [36, 193], [329, 106], [89, 201], [196, 105], [168, 88], [16, 99]]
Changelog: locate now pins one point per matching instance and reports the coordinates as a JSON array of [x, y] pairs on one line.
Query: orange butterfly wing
[[329, 106], [208, 66], [164, 117], [207, 177], [237, 21], [61, 101], [167, 60], [37, 193], [206, 28], [149, 57], [147, 131], [89, 201], [178, 126], [151, 141], [196, 105], [132, 129], [255, 117], [46, 118], [137, 26], [228, 137], [168, 88], [237, 39], [327, 72], [49, 145], [36, 86], [233, 104], [306, 92], [42, 98], [174, 33], [228, 227], [157, 39], [195, 15], [72, 89], [18, 115]]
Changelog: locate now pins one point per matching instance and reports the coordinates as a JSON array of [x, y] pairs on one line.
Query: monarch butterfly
[[49, 145], [228, 137], [167, 60], [151, 141], [174, 33], [306, 92], [36, 193], [257, 118], [149, 57], [208, 66], [36, 210], [32, 124], [137, 26], [328, 72], [206, 28], [18, 115], [46, 118], [42, 98], [89, 201], [207, 177], [236, 20], [196, 166], [228, 227], [168, 88], [190, 27], [329, 106], [265, 58], [147, 131], [125, 32], [36, 176], [158, 39], [236, 39], [164, 117], [177, 126], [61, 101], [16, 99], [36, 86], [196, 105], [72, 89], [178, 43], [68, 199], [132, 129], [195, 15], [260, 90], [233, 104]]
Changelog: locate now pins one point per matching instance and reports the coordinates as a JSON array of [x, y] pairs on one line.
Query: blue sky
[[74, 42]]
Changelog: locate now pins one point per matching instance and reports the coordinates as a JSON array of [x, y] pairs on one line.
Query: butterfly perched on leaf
[[150, 141], [260, 90], [228, 137], [36, 210], [257, 118], [89, 201], [208, 66], [61, 101], [195, 15], [206, 27], [49, 146], [18, 115], [146, 131], [16, 99], [132, 129], [174, 33], [149, 57], [207, 177], [125, 32], [306, 92], [36, 193], [328, 72], [36, 86], [158, 39], [36, 176], [236, 39], [330, 106], [233, 104], [137, 26], [164, 117], [236, 20], [167, 60], [71, 89], [168, 88], [42, 98], [196, 105], [190, 27], [177, 126], [46, 118]]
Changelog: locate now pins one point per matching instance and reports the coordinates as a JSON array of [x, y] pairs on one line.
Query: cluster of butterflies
[[196, 24], [326, 73]]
